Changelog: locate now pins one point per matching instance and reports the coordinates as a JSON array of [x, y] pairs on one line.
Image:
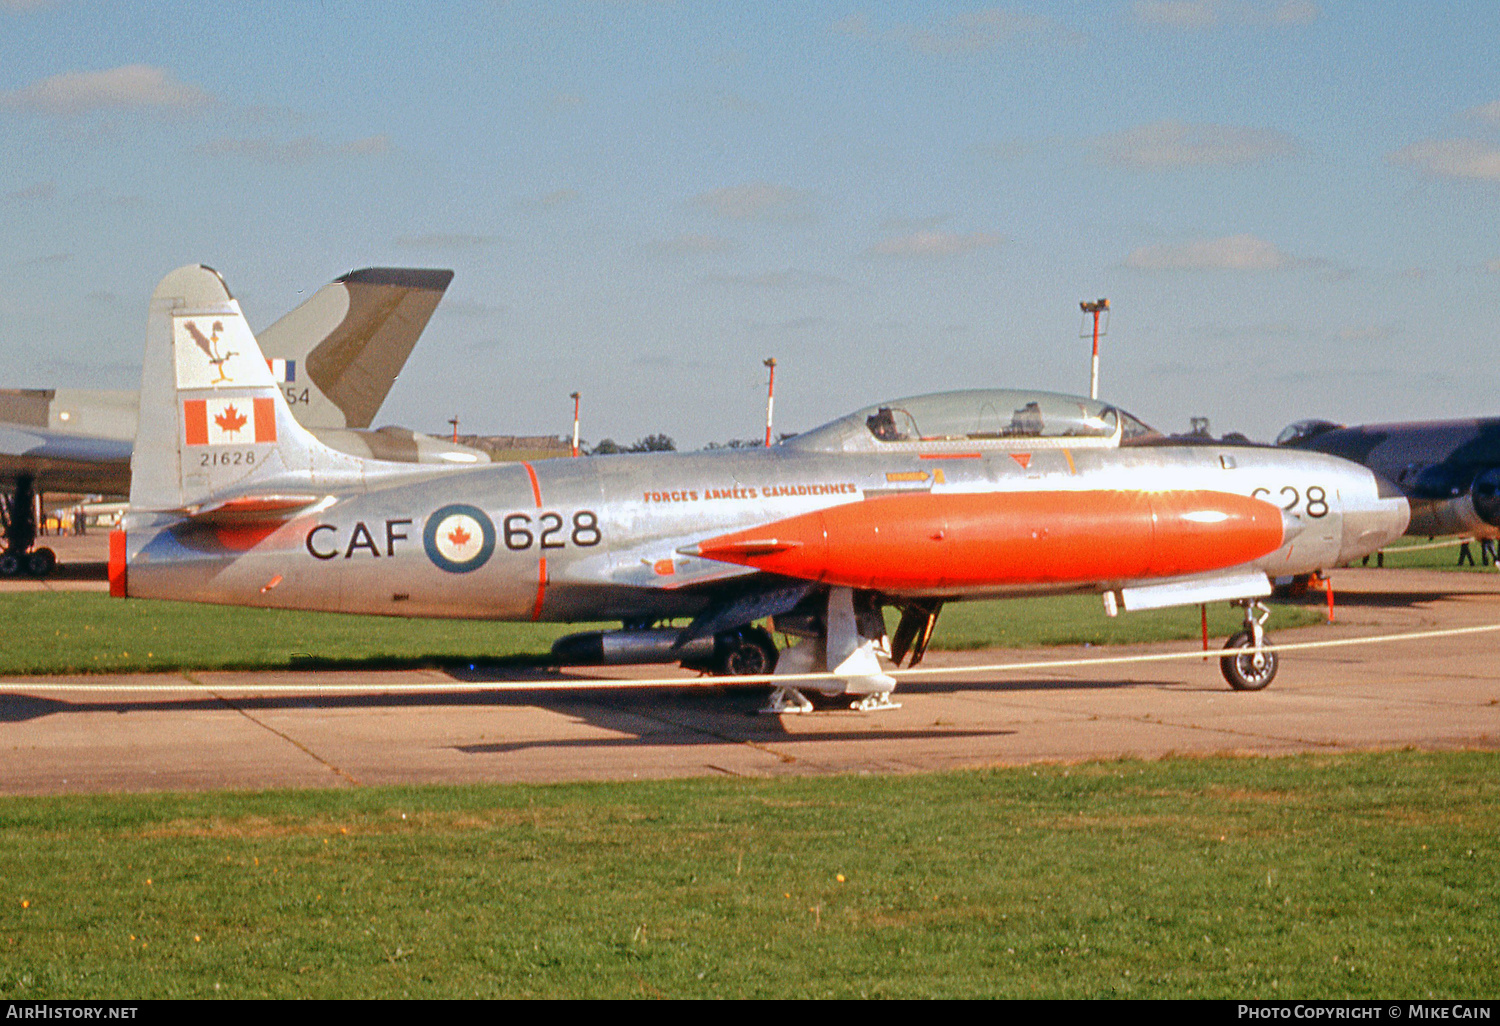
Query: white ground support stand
[[855, 664]]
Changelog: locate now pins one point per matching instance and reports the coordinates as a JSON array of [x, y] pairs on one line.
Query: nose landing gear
[[1255, 667]]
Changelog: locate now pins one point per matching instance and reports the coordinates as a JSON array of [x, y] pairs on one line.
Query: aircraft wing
[[64, 462]]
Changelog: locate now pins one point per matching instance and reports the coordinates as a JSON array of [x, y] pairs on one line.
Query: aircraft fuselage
[[603, 538]]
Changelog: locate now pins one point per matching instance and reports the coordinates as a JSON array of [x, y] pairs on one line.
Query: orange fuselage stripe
[[541, 570]]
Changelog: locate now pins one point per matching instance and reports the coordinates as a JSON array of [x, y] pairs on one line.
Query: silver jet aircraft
[[335, 358], [908, 504]]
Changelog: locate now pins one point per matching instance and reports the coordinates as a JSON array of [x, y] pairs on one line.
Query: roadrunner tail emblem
[[210, 347]]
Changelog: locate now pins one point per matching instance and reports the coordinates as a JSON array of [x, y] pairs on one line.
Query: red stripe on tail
[[265, 420], [195, 421]]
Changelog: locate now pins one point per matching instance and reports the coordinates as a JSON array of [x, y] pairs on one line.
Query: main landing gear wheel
[[1251, 670], [747, 653], [40, 562], [10, 564]]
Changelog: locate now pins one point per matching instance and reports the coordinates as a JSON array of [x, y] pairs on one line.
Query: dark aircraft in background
[[1449, 470], [335, 358], [909, 504]]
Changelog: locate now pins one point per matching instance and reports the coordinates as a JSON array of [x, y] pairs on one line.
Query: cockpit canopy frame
[[976, 420]]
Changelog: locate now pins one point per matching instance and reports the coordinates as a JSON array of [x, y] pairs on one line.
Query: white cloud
[[757, 201], [132, 87], [1294, 12], [977, 32], [1489, 112], [856, 25], [1205, 14], [555, 198], [1172, 144], [1181, 14], [39, 191], [560, 102], [690, 243], [1231, 253], [1366, 333], [440, 240], [932, 243], [907, 225], [1451, 158], [789, 279], [305, 150], [972, 32]]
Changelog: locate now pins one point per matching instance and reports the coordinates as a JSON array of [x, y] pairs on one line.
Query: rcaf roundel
[[459, 538]]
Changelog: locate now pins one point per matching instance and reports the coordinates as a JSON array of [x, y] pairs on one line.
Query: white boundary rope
[[31, 685], [1451, 543]]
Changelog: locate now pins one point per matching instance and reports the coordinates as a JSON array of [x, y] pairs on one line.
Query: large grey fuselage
[[1449, 470]]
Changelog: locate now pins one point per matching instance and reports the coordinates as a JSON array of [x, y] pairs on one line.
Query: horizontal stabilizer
[[251, 509]]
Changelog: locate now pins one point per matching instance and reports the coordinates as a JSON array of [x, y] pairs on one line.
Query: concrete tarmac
[[229, 730]]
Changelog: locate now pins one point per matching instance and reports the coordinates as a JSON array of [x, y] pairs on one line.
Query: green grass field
[[1367, 876], [1419, 553], [87, 632]]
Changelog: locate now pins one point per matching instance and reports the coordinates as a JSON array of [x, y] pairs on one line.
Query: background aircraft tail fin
[[213, 418], [337, 355]]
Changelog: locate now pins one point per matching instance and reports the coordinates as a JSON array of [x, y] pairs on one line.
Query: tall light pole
[[1096, 308], [575, 397], [770, 362]]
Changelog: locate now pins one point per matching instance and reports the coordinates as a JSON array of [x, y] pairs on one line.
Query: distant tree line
[[664, 443], [651, 443]]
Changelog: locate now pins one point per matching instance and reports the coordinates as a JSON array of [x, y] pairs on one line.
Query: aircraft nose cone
[[1291, 526], [1373, 518]]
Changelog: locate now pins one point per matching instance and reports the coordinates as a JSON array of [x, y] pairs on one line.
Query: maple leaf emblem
[[231, 420], [459, 537]]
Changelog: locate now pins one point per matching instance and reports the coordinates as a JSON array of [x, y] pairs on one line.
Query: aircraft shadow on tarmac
[[1399, 599], [679, 736], [714, 714], [666, 718], [1007, 682]]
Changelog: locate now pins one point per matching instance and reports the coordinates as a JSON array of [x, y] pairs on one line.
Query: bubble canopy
[[977, 419]]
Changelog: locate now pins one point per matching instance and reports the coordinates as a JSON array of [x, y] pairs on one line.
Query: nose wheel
[[1254, 665]]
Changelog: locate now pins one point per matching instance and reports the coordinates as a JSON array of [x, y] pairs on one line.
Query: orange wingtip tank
[[914, 543]]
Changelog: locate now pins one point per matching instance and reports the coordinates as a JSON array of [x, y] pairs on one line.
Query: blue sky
[[1293, 205]]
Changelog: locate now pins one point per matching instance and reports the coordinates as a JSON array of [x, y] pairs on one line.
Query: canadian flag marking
[[238, 421]]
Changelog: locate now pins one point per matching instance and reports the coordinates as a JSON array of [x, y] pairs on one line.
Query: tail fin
[[213, 419], [337, 355]]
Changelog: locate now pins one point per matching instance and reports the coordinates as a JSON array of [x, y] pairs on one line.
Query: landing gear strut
[[1254, 668], [19, 513], [843, 640]]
